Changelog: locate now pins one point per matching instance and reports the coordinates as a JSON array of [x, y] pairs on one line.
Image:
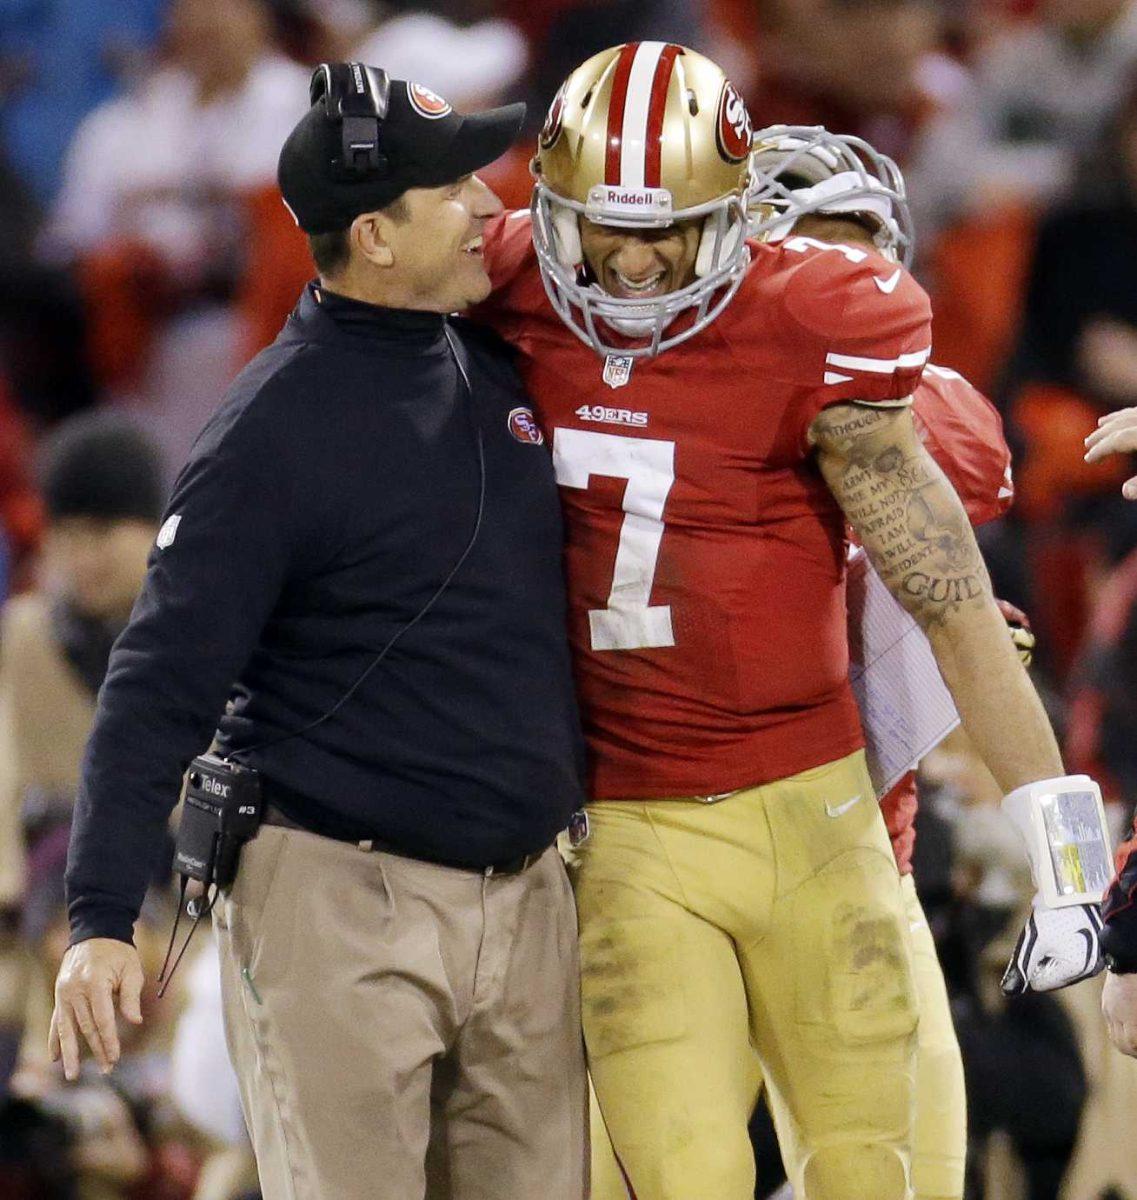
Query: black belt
[[511, 866]]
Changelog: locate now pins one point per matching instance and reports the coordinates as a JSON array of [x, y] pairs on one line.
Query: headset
[[357, 96]]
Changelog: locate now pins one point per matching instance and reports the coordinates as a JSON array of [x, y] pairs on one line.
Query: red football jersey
[[705, 555]]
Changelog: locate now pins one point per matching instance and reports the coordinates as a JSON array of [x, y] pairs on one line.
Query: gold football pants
[[939, 1144], [772, 921]]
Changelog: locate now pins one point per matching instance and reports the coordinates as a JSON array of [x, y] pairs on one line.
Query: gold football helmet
[[800, 169], [641, 136]]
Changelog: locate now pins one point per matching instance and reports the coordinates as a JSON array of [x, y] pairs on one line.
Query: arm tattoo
[[903, 509]]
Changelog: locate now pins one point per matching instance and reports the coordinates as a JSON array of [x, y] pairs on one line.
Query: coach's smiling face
[[641, 264]]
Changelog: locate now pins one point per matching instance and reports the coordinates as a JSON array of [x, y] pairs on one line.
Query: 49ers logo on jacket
[[554, 121], [427, 103], [523, 425], [733, 130]]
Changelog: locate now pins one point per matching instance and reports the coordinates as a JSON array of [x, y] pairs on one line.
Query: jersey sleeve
[[964, 433], [507, 247], [860, 327]]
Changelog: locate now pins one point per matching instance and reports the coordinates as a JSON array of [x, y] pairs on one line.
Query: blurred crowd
[[146, 255]]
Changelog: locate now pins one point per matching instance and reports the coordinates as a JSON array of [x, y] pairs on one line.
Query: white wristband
[[1062, 824]]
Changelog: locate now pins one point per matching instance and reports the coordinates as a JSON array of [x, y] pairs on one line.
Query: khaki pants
[[402, 1030], [772, 921]]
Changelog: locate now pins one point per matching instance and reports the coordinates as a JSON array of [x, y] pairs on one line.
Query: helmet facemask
[[796, 170], [720, 264]]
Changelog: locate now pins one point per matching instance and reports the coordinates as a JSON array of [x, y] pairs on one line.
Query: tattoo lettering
[[903, 510]]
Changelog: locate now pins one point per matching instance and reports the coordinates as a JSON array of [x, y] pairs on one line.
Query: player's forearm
[[997, 702], [916, 532]]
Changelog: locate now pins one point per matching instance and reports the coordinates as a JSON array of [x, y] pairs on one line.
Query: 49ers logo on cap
[[551, 130], [427, 103], [733, 130], [523, 425]]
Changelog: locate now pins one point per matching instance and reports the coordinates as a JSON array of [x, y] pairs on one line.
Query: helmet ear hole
[[566, 236]]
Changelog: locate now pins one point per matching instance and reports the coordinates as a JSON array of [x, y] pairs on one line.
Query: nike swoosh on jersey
[[888, 286], [838, 810]]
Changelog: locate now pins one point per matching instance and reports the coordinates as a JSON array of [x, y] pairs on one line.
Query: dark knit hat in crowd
[[101, 465]]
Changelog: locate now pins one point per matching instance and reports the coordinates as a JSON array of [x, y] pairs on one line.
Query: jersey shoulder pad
[[863, 320], [848, 293], [507, 246]]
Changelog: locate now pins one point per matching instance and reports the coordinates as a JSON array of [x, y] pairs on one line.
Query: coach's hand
[[1057, 947], [1119, 1007], [92, 977], [1116, 434]]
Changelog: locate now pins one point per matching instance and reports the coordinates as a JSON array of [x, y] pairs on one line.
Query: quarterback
[[718, 409], [964, 433]]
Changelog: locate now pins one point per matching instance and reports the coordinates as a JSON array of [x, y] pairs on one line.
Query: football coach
[[357, 595]]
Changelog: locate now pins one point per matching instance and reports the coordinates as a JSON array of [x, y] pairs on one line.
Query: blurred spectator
[[35, 1153], [473, 59], [43, 367], [566, 32], [1024, 1077], [880, 69], [1103, 724], [1076, 358], [1045, 91], [1080, 328], [107, 1152], [474, 64], [869, 67], [104, 495], [168, 191], [58, 59]]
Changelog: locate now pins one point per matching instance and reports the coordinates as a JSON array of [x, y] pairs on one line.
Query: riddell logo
[[629, 199]]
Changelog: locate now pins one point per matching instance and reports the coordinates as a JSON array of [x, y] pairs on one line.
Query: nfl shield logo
[[617, 369]]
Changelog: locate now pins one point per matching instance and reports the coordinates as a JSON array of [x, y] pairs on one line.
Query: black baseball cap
[[422, 142]]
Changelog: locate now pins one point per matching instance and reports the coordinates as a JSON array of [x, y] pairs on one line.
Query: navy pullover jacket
[[322, 506]]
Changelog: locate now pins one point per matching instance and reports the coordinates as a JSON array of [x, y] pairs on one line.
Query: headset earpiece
[[358, 97]]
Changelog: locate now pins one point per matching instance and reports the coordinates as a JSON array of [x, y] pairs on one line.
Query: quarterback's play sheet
[[906, 708]]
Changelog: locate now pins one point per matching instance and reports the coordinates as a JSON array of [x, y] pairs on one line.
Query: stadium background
[[145, 255]]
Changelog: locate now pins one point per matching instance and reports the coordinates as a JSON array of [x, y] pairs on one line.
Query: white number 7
[[629, 622]]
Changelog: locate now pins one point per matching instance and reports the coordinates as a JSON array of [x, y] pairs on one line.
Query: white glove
[[1057, 947]]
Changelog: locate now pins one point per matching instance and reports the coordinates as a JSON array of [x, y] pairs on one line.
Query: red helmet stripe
[[616, 113], [656, 108]]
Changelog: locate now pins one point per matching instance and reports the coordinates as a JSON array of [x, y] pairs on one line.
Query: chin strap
[[566, 235], [715, 244]]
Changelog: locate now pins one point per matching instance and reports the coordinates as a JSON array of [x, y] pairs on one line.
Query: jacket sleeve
[[214, 576], [1119, 907]]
